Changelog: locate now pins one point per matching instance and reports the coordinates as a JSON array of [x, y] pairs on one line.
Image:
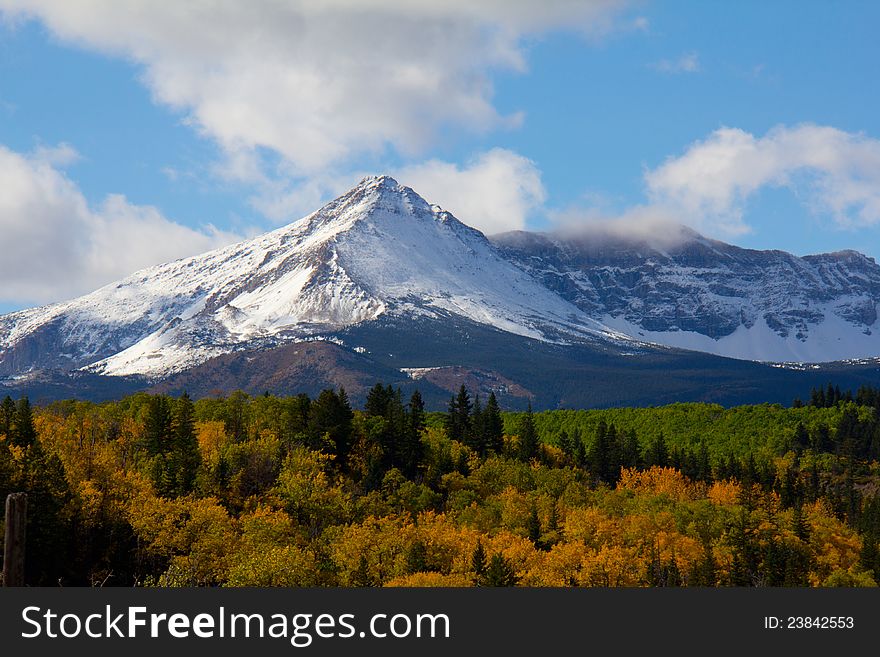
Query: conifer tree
[[499, 572], [801, 437], [658, 453], [298, 415], [157, 425], [458, 421], [417, 558], [815, 483], [186, 458], [603, 457], [378, 399], [476, 438], [478, 564], [564, 443], [705, 573], [47, 531], [235, 416], [533, 526], [528, 436], [412, 449], [578, 451], [331, 415], [361, 578], [7, 417], [799, 526], [630, 451], [704, 463], [23, 432], [7, 468], [493, 425]]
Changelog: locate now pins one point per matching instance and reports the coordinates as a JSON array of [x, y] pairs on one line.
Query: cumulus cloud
[[320, 81], [494, 192], [687, 63], [835, 173], [55, 246]]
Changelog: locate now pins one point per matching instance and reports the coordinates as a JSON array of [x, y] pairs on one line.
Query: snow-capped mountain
[[393, 285], [379, 250], [702, 294]]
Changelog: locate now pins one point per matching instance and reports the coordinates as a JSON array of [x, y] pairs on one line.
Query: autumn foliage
[[265, 491]]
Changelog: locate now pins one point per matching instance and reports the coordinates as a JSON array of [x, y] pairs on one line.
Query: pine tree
[[564, 443], [23, 432], [298, 415], [476, 438], [235, 416], [7, 467], [331, 415], [704, 463], [48, 528], [815, 482], [186, 458], [458, 422], [658, 454], [801, 437], [361, 578], [157, 425], [578, 451], [533, 526], [821, 440], [528, 436], [791, 493], [603, 457], [417, 558], [500, 573], [378, 399], [706, 572], [478, 564], [799, 526], [630, 451], [493, 425], [7, 417], [412, 450], [395, 433]]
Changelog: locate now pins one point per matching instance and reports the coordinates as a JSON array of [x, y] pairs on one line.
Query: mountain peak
[[383, 181], [379, 193]]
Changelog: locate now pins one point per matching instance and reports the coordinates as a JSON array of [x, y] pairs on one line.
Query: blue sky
[[140, 133]]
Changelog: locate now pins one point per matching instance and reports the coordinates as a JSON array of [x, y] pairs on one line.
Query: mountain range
[[381, 285]]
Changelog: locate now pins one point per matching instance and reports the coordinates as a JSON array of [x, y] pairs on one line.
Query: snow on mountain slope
[[379, 249], [701, 294]]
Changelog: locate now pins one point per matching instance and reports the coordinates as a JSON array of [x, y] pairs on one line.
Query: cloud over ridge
[[836, 173]]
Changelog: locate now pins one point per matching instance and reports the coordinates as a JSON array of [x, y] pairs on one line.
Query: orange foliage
[[658, 481], [724, 493]]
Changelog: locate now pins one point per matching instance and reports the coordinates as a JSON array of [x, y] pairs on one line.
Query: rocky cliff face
[[707, 295]]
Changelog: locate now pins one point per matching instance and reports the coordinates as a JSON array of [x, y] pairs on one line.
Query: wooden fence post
[[13, 548]]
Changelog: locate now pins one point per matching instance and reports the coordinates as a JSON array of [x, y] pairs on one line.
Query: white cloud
[[320, 81], [836, 173], [494, 192], [686, 63], [55, 246], [658, 226]]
